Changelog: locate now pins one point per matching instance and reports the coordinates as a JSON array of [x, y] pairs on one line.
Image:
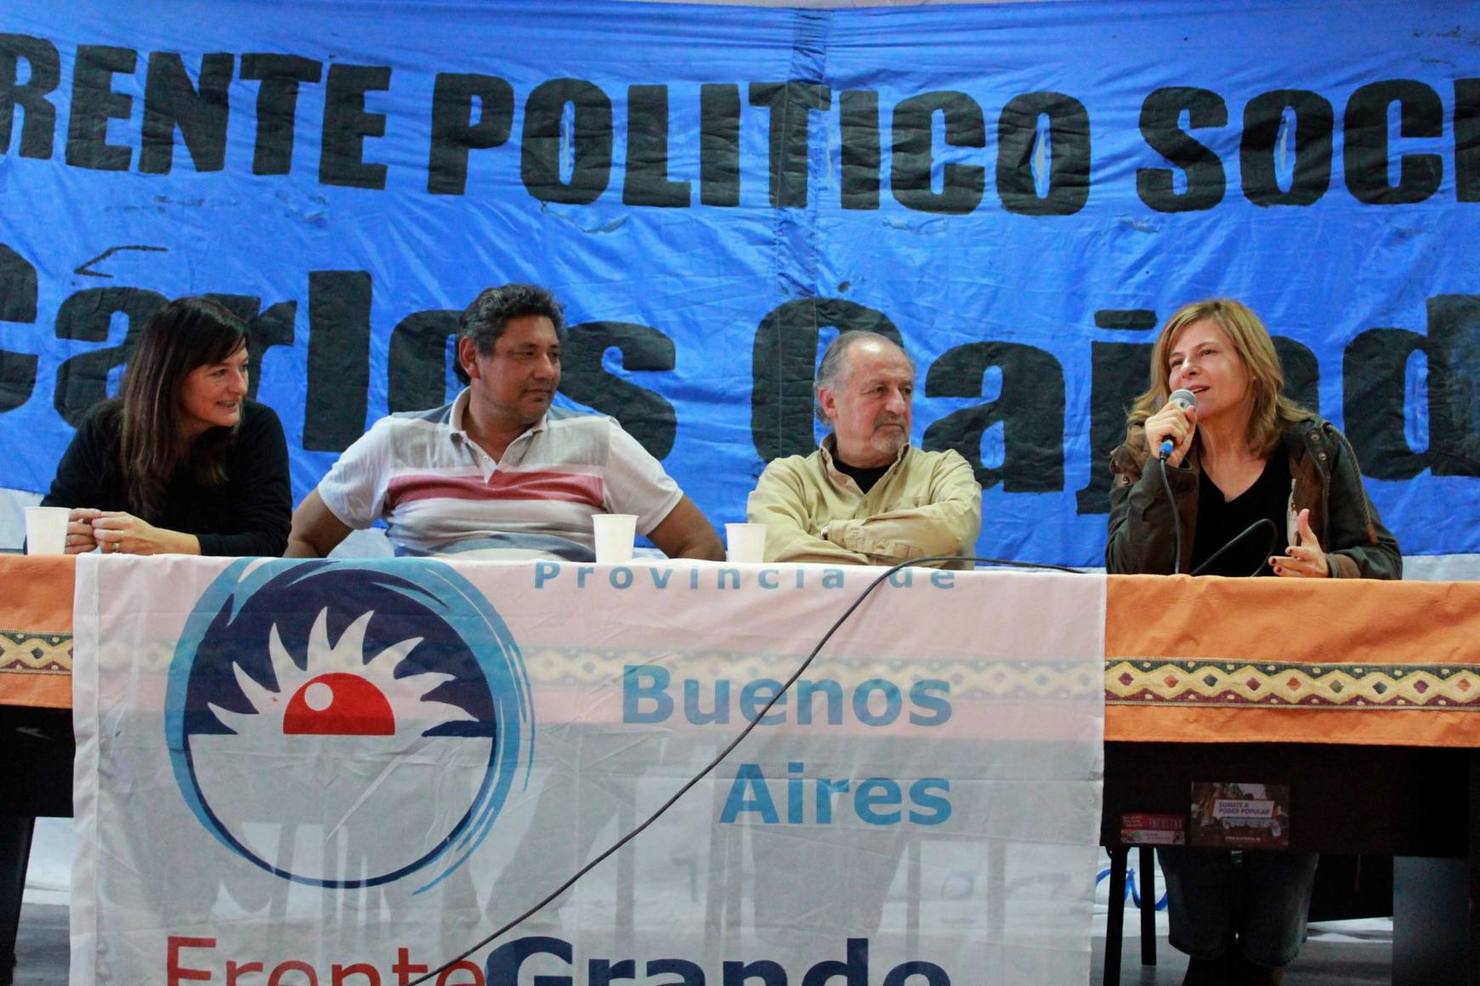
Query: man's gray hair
[[831, 370]]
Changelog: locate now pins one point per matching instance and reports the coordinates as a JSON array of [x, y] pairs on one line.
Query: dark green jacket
[[1325, 479]]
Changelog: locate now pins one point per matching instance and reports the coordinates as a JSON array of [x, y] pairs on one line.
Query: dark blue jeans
[[1257, 902]]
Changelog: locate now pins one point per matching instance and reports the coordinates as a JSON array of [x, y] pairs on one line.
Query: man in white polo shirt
[[499, 473]]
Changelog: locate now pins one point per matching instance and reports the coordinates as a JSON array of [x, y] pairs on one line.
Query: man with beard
[[499, 473], [866, 496]]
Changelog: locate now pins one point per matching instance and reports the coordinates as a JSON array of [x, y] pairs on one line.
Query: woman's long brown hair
[[184, 334]]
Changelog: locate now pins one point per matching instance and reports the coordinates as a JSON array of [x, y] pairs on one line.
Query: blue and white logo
[[348, 724]]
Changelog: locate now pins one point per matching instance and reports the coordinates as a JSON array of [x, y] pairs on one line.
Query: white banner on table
[[349, 772]]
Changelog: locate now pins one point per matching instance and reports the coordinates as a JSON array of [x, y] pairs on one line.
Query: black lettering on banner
[[1068, 154], [737, 972], [1117, 376], [1030, 408], [504, 961], [647, 181], [917, 971], [1264, 122], [791, 104], [346, 125], [1374, 388], [591, 145], [854, 970], [1466, 140], [265, 329], [277, 106], [609, 971], [1160, 115], [94, 103], [338, 358], [858, 121], [686, 971], [453, 131], [18, 293], [912, 156], [38, 115], [645, 415], [1125, 319], [719, 144], [1302, 372], [419, 356], [1365, 142], [1374, 384], [87, 316], [171, 101], [784, 361], [1454, 396], [273, 327]]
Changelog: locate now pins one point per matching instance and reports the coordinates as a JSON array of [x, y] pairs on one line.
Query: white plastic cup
[[745, 543], [614, 536], [46, 530]]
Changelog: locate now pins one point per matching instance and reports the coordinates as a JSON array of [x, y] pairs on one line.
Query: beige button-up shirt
[[927, 503]]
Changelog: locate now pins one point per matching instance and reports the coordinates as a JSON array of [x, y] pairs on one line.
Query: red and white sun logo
[[339, 692], [344, 740]]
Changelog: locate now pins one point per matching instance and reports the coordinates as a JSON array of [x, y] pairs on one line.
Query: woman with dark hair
[[181, 462], [1258, 486]]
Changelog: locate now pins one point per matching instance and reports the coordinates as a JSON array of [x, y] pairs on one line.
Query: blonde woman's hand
[[1175, 422], [1304, 559]]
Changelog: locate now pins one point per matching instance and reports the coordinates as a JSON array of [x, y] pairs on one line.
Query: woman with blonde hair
[[1238, 481]]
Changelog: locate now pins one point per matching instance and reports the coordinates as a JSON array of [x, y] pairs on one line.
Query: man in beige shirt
[[866, 496]]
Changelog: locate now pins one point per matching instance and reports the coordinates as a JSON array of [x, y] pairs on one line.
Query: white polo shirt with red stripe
[[439, 492]]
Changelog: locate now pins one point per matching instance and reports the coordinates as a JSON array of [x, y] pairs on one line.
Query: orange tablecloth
[[36, 631], [1187, 660], [1300, 661]]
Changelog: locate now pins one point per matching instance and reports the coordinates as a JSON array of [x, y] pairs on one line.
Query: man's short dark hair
[[486, 318]]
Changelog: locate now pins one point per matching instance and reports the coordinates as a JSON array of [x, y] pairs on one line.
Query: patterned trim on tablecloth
[[27, 652], [1451, 687]]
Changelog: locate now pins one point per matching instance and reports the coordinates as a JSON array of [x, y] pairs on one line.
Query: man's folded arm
[[776, 502], [948, 525]]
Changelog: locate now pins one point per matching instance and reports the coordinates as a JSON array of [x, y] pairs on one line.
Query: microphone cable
[[1187, 401], [720, 757], [1166, 484], [1274, 533]]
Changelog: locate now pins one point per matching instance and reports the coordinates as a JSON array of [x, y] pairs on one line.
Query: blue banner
[[1019, 192]]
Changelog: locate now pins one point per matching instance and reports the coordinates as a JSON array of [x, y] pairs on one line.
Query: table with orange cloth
[[1361, 698], [1186, 660], [1341, 688]]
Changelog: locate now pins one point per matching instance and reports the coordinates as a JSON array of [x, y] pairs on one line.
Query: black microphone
[[1186, 400]]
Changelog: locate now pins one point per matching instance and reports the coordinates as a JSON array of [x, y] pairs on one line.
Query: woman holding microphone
[[1258, 486]]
